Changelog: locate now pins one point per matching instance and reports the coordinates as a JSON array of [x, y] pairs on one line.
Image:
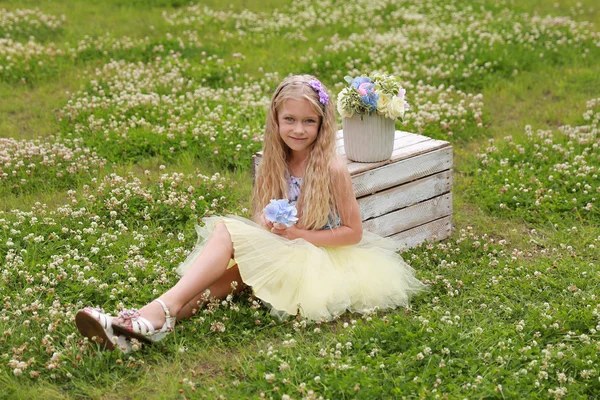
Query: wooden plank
[[432, 231], [409, 217], [405, 195], [404, 171], [398, 155]]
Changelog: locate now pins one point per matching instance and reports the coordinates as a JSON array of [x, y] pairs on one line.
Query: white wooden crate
[[408, 197]]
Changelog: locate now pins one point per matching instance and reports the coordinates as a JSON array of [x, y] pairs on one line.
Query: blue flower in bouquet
[[359, 80], [281, 212], [365, 88], [368, 96]]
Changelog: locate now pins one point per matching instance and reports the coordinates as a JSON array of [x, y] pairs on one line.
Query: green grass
[[32, 111], [512, 309]]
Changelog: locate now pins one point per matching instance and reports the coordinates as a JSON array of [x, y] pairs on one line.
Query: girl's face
[[298, 125]]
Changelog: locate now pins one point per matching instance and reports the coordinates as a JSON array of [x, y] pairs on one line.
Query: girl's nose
[[298, 127]]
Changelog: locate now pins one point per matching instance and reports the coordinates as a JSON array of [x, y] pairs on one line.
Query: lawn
[[124, 122]]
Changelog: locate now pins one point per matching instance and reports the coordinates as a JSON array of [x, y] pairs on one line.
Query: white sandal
[[94, 324], [140, 328]]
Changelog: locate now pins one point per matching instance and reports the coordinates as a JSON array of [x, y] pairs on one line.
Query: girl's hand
[[290, 233], [264, 222]]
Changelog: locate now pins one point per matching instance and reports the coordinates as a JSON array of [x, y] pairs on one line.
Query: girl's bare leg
[[208, 268], [220, 289]]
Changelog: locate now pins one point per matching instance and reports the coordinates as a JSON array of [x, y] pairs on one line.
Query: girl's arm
[[351, 230]]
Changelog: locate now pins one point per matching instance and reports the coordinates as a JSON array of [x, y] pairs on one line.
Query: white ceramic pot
[[370, 139]]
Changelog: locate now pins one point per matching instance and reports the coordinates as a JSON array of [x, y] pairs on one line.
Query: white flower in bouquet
[[396, 106], [340, 103]]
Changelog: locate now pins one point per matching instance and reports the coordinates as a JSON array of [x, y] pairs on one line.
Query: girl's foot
[[141, 324], [152, 312]]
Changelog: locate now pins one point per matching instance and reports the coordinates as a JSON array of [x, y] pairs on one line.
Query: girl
[[318, 268]]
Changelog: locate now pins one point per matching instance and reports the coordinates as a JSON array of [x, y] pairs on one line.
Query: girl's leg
[[208, 268], [220, 289]]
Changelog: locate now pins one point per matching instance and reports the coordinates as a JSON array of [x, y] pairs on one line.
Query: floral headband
[[318, 87]]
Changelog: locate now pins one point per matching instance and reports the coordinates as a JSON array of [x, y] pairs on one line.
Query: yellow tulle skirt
[[320, 283]]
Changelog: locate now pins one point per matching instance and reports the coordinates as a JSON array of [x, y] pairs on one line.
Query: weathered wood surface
[[400, 154], [432, 231], [403, 171], [410, 217], [404, 195]]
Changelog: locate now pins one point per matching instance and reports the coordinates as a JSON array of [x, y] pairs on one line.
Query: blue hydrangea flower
[[359, 80], [364, 85], [370, 100], [281, 212]]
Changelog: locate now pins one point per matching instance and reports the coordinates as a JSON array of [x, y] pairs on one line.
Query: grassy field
[[123, 122]]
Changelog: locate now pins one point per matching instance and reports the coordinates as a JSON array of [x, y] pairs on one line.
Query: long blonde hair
[[317, 197]]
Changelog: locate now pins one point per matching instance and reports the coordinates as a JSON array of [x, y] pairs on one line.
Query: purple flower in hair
[[318, 86]]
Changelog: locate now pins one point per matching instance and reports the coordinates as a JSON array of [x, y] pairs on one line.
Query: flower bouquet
[[281, 212], [369, 107]]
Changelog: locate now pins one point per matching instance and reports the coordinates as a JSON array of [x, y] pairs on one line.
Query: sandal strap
[[164, 306], [169, 320], [140, 327], [143, 326], [138, 323]]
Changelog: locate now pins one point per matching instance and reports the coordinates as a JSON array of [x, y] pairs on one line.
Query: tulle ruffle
[[319, 283]]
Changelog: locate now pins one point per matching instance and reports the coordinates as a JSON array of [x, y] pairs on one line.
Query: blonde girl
[[321, 267]]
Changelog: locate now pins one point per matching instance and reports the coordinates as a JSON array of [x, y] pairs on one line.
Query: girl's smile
[[298, 125]]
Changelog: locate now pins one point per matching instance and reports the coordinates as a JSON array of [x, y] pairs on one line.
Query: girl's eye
[[289, 118], [311, 121]]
